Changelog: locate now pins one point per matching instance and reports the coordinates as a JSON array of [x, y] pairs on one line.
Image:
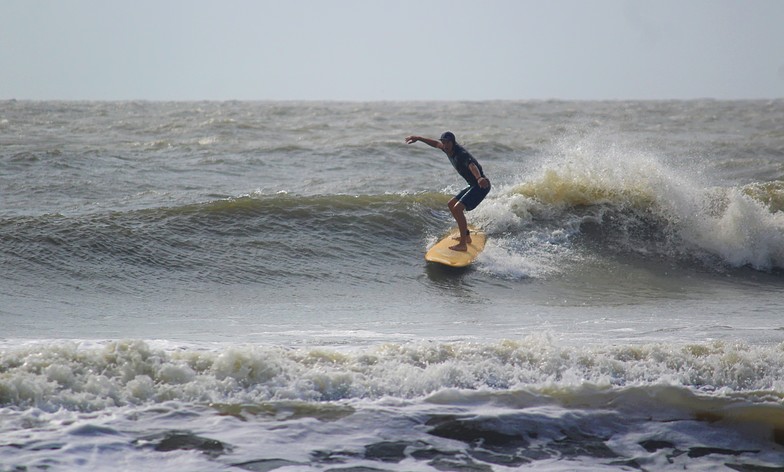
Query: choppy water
[[241, 286]]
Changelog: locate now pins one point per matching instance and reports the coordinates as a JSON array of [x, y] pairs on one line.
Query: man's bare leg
[[458, 211]]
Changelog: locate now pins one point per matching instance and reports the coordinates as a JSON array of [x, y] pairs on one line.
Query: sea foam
[[67, 375], [622, 188]]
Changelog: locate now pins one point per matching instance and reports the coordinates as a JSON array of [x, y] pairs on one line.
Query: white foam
[[596, 171], [742, 231], [66, 375], [534, 257]]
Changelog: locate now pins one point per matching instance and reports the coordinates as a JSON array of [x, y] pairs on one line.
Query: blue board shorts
[[471, 196]]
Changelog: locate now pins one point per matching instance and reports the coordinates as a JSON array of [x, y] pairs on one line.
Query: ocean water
[[239, 286]]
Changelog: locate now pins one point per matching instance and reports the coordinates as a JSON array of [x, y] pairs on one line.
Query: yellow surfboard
[[441, 253]]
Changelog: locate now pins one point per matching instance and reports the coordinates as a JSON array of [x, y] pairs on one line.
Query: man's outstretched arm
[[430, 142]]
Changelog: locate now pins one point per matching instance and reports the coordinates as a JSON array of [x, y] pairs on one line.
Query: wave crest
[[89, 377], [642, 204]]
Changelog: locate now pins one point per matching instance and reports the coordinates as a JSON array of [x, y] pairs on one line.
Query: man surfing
[[465, 165]]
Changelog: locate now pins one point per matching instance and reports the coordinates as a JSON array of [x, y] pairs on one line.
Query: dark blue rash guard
[[461, 160]]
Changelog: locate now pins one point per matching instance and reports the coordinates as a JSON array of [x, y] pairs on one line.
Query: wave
[[577, 205], [630, 201], [442, 406], [92, 375], [268, 239]]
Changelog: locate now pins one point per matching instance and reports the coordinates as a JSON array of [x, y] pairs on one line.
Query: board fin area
[[441, 254]]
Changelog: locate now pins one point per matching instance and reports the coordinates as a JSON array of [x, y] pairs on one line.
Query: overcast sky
[[391, 49]]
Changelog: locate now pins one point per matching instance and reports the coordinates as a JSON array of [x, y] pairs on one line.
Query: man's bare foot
[[462, 247], [467, 239]]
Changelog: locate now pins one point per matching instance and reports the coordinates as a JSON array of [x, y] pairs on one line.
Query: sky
[[387, 50]]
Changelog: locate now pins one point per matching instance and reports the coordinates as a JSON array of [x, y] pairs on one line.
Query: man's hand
[[484, 182], [412, 139]]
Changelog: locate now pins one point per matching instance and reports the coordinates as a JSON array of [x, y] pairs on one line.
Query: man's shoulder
[[460, 150], [462, 153]]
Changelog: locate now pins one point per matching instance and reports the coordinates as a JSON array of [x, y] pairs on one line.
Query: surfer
[[465, 165]]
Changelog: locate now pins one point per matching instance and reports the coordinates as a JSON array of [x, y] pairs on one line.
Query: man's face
[[448, 144]]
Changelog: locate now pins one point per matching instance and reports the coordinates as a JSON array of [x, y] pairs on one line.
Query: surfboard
[[441, 254]]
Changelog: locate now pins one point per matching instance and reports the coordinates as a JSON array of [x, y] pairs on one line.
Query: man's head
[[448, 140], [448, 136]]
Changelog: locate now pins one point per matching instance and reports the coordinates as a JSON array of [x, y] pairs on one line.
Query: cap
[[448, 135]]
